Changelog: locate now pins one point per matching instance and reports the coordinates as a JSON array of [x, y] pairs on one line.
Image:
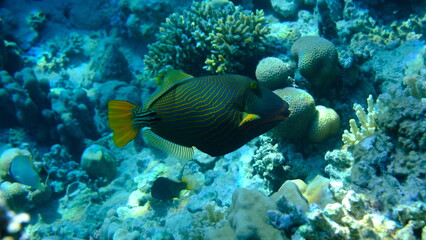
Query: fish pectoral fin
[[248, 117], [120, 121], [172, 149]]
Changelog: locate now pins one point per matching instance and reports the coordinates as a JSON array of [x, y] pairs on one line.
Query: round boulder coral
[[317, 60], [98, 162], [302, 111], [326, 123], [273, 73]]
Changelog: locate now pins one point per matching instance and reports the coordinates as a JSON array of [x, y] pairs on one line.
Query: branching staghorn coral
[[367, 121], [215, 33]]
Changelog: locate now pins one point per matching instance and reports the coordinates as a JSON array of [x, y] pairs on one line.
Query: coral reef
[[317, 60], [142, 18], [218, 39], [248, 203], [273, 73], [75, 112], [325, 124], [367, 121], [99, 162], [110, 64], [302, 112], [61, 169], [25, 102], [12, 224], [65, 171], [288, 9]]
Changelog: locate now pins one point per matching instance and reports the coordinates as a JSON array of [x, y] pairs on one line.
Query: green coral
[[317, 60], [219, 38], [302, 112]]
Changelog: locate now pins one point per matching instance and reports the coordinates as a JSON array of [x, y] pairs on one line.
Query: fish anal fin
[[248, 117], [172, 149]]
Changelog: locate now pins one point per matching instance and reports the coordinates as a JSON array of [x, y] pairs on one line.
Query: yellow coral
[[273, 73], [302, 111], [317, 60], [325, 124], [367, 121]]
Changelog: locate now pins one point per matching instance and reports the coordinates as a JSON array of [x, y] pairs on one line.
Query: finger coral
[[367, 121], [219, 38]]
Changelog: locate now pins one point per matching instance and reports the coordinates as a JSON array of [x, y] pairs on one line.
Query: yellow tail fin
[[120, 121]]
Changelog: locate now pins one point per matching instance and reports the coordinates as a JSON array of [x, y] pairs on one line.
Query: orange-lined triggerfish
[[215, 114]]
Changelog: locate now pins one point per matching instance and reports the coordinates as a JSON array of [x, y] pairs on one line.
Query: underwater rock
[[289, 217], [110, 64], [248, 217], [99, 162], [288, 9]]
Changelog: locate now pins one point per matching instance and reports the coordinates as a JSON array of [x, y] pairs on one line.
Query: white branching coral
[[367, 121]]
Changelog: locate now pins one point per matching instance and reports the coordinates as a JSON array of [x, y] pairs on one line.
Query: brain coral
[[317, 60], [302, 111], [325, 124], [216, 37], [273, 73]]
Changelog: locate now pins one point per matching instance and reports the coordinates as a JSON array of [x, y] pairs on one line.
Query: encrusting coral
[[219, 38]]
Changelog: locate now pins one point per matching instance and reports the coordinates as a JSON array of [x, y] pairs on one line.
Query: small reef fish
[[215, 114], [166, 189]]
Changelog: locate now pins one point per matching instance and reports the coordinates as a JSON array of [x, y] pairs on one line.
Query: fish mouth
[[282, 114], [279, 116]]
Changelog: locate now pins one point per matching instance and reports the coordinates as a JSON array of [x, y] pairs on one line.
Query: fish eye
[[253, 85]]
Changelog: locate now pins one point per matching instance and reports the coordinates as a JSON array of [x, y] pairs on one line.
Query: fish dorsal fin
[[171, 79], [248, 117], [172, 149]]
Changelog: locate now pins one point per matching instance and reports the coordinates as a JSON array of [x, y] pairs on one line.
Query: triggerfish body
[[215, 114]]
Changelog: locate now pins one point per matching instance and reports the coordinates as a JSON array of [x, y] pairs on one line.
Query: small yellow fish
[[215, 114]]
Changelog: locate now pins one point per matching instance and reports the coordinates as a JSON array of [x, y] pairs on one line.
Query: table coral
[[219, 40]]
